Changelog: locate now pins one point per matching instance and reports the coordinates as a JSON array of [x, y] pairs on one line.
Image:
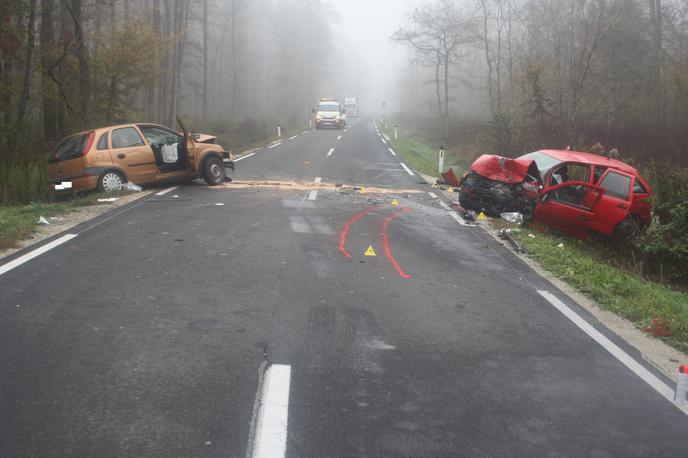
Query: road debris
[[42, 220], [513, 217], [109, 199], [129, 186]]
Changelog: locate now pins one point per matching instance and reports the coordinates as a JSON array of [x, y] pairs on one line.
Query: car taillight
[[89, 143]]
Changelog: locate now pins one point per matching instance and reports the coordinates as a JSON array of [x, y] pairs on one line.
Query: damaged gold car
[[108, 157]]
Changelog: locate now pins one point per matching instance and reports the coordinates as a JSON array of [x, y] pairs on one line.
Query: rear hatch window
[[69, 148]]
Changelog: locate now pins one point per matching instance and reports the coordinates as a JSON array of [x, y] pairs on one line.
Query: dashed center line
[[339, 138], [329, 153], [408, 170], [392, 151], [271, 428], [314, 193]]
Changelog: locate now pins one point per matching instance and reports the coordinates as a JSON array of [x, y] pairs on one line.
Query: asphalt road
[[148, 333]]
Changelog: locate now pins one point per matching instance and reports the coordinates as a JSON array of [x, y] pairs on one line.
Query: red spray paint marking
[[345, 232], [385, 239]]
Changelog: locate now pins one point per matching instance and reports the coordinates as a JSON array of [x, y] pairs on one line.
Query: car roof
[[115, 126], [589, 158]]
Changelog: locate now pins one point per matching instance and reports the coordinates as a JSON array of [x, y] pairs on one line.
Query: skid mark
[[385, 239]]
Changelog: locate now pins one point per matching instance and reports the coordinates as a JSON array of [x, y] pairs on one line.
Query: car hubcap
[[215, 172], [111, 182]]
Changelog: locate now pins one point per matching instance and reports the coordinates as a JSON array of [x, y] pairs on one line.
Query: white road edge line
[[408, 170], [451, 212], [339, 138], [314, 193], [271, 429], [275, 145], [35, 253], [383, 141], [329, 153], [244, 157], [291, 138], [433, 195], [392, 151], [647, 376], [165, 191]]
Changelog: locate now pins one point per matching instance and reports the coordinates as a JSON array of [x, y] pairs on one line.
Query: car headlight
[[318, 117]]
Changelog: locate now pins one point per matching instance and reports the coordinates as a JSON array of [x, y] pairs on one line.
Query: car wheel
[[110, 181], [466, 204], [627, 228], [528, 211], [214, 171]]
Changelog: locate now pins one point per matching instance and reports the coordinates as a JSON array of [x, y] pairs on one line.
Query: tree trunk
[[48, 93], [28, 63], [82, 56], [205, 60]]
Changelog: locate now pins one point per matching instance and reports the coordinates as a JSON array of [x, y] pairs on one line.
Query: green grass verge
[[659, 310], [17, 222], [418, 153]]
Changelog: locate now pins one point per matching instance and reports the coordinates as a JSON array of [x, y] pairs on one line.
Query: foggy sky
[[365, 63]]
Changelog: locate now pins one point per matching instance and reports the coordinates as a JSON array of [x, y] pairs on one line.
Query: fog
[[365, 63]]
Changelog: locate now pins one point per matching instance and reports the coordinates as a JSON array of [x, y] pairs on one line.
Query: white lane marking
[[339, 138], [453, 214], [314, 193], [408, 170], [433, 195], [165, 191], [647, 376], [291, 138], [320, 225], [329, 153], [273, 414], [305, 132], [244, 157], [394, 154], [299, 225], [275, 145], [383, 141], [35, 253]]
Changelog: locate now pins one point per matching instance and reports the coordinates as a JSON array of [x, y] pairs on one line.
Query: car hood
[[205, 138], [500, 168]]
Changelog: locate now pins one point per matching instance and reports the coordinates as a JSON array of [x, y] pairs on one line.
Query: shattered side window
[[159, 136]]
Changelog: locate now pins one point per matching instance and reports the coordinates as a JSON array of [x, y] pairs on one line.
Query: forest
[[606, 76], [234, 68]]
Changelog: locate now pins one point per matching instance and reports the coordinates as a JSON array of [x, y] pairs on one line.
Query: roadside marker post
[[441, 160], [396, 132], [279, 131], [681, 386]]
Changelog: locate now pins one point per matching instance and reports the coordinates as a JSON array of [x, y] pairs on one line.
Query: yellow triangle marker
[[363, 190], [482, 215], [370, 251], [395, 202], [450, 189]]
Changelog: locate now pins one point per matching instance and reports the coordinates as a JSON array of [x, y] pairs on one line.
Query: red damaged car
[[571, 191]]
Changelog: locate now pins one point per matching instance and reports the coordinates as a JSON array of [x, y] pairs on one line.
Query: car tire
[[528, 211], [214, 171], [110, 181], [627, 228]]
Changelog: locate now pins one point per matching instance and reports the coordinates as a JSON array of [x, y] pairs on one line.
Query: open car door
[[569, 207], [615, 205], [190, 147]]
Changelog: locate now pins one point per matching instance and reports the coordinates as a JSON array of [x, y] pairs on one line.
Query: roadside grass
[[18, 222], [652, 307], [417, 154]]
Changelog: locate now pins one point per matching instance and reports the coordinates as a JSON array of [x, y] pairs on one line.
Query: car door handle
[[120, 156], [622, 206]]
